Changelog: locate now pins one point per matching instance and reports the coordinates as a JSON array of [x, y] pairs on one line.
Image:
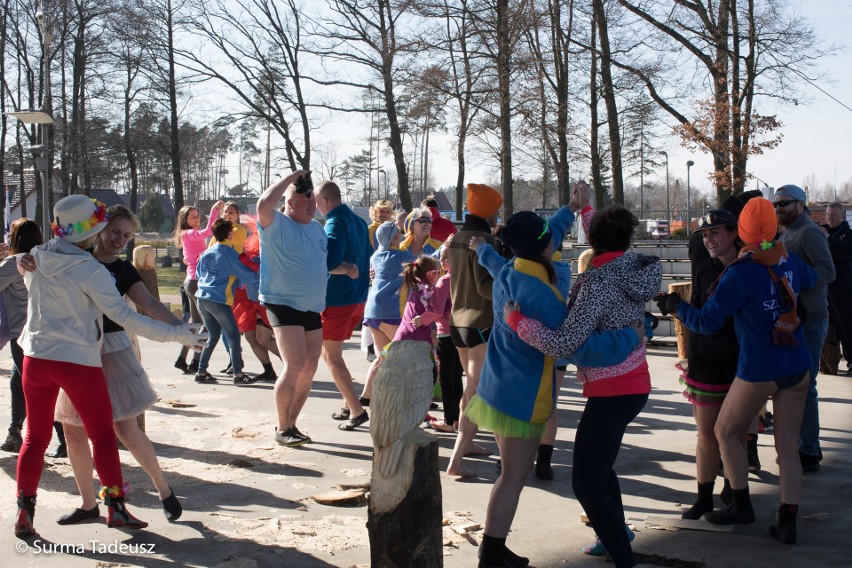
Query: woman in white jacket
[[68, 295]]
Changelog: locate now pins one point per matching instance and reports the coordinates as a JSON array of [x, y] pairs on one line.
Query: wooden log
[[144, 259], [410, 534], [684, 290]]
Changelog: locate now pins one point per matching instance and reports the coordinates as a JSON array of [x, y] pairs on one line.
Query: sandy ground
[[248, 502]]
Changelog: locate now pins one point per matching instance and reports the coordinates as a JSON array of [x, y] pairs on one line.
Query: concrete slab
[[247, 500]]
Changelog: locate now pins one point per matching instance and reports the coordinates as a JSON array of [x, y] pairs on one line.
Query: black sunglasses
[[423, 220], [716, 220], [784, 203]]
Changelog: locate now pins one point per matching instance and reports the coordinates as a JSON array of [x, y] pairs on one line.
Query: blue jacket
[[349, 241], [216, 265], [384, 300], [746, 290], [516, 378]]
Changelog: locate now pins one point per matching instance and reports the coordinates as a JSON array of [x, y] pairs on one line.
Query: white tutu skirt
[[130, 390]]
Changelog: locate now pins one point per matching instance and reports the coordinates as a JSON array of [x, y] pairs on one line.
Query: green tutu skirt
[[488, 418]]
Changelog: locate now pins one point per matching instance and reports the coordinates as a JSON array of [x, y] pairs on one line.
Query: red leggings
[[87, 390]]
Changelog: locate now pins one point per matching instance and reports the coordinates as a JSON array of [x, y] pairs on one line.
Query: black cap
[[718, 218]]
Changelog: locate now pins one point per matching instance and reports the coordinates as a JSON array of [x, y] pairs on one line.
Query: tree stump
[[410, 535], [144, 259], [404, 518], [684, 290]]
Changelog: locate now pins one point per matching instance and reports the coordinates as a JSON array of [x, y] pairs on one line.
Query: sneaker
[[302, 435], [290, 438], [205, 378], [243, 379]]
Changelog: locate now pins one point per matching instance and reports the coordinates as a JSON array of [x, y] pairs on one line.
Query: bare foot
[[460, 472], [476, 450]]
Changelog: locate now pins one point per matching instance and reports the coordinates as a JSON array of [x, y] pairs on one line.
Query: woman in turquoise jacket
[[516, 394]]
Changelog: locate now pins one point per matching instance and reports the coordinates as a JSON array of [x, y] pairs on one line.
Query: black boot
[[494, 554], [193, 367], [268, 373], [753, 458], [119, 517], [61, 451], [739, 512], [704, 503], [14, 441], [543, 470], [26, 514], [784, 528]]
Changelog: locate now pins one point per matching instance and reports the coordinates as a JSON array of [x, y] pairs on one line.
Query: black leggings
[[190, 287], [451, 378], [595, 483]]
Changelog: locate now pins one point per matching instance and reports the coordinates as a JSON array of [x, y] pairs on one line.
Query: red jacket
[[441, 228]]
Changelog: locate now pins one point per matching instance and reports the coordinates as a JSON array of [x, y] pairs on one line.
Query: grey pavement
[[248, 501]]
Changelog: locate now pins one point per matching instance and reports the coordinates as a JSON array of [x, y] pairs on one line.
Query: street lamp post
[[668, 197], [689, 164]]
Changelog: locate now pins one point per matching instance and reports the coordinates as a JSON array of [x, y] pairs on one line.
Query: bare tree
[[776, 47], [370, 34], [262, 45]]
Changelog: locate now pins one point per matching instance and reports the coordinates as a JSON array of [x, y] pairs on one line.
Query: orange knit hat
[[757, 222], [482, 200]]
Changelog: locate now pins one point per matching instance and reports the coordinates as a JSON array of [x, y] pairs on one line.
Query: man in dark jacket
[[805, 239], [840, 291]]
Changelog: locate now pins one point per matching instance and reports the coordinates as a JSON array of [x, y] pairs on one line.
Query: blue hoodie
[[384, 300]]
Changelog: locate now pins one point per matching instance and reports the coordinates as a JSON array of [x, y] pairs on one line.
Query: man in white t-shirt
[[293, 278]]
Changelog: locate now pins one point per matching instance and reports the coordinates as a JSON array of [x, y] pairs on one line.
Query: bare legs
[[707, 451], [742, 404], [301, 350], [332, 354], [518, 455], [381, 337], [472, 359]]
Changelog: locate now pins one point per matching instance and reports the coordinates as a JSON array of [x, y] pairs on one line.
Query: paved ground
[[248, 500]]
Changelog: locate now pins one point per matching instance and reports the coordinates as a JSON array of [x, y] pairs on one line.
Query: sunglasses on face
[[783, 203], [423, 220]]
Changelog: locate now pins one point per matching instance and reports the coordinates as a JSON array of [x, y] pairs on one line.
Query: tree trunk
[[594, 145], [396, 138], [174, 127], [721, 123], [609, 100], [504, 60]]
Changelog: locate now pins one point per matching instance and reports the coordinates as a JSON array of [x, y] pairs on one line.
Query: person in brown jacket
[[472, 315]]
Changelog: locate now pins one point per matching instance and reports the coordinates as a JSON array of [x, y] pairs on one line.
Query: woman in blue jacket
[[216, 296]]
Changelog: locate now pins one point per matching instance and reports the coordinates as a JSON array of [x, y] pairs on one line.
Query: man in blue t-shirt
[[293, 277], [348, 264]]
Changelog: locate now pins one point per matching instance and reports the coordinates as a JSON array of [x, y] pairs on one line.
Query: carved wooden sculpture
[[404, 520]]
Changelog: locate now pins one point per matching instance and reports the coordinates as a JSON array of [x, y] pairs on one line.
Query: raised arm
[[268, 201]]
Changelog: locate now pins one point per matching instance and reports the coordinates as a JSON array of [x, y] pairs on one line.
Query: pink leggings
[[87, 390]]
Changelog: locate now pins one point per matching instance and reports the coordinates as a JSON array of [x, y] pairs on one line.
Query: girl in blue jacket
[[215, 297]]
